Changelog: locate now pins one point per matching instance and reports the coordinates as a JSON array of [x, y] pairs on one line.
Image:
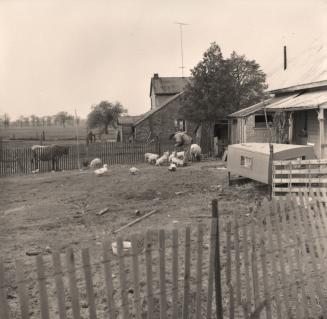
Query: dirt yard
[[53, 211]]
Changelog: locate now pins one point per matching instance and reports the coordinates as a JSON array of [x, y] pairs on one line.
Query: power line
[[181, 24]]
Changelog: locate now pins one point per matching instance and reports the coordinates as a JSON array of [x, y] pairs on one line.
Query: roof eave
[[299, 87]]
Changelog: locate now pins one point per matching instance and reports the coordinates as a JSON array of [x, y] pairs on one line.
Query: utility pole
[[77, 140], [181, 24]]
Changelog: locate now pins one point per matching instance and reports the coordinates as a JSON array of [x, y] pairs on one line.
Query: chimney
[[285, 58], [156, 76]]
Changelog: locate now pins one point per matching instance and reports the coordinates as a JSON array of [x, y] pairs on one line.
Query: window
[[246, 161], [260, 120], [180, 125]]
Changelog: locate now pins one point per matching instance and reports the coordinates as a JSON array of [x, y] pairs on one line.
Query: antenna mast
[[181, 24]]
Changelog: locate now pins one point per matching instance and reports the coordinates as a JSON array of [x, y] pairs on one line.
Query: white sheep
[[163, 159], [180, 155], [95, 163], [173, 154], [195, 152], [178, 161], [153, 158]]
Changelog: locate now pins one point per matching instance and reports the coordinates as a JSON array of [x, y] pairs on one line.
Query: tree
[[63, 117], [248, 82], [33, 119], [220, 86], [104, 114], [6, 120]]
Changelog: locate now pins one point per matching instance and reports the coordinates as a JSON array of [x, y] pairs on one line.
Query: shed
[[252, 159]]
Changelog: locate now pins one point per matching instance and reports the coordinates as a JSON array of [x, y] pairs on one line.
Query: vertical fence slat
[[229, 269], [237, 258], [248, 294], [60, 291], [255, 276], [108, 280], [266, 286], [122, 277], [137, 297], [187, 267], [162, 276], [148, 267], [70, 259], [89, 283], [21, 290], [44, 304], [198, 308], [175, 275], [271, 248], [4, 308]]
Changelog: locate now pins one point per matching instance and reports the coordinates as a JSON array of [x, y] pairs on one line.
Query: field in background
[[52, 133]]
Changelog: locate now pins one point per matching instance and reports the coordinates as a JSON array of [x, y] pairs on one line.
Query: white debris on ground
[[126, 246], [133, 170]]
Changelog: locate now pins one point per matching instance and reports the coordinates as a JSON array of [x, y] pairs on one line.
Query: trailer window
[[246, 161]]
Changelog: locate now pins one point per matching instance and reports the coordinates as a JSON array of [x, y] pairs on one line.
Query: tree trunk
[[206, 137]]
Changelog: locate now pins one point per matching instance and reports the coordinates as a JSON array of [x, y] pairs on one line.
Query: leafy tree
[[63, 117], [248, 81], [220, 86], [6, 120], [104, 114]]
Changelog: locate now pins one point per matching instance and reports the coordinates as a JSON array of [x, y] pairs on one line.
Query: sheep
[[95, 163], [195, 152], [173, 154], [163, 159], [178, 161], [180, 155], [153, 158]]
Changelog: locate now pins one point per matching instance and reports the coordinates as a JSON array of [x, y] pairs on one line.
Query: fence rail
[[15, 161], [296, 176]]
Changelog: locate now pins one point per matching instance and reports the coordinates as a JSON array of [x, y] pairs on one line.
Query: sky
[[62, 55]]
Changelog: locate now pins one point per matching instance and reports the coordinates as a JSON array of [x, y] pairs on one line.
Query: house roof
[[259, 106], [306, 70], [301, 101], [167, 85], [128, 119], [148, 114]]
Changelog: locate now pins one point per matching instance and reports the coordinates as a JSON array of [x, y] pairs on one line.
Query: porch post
[[321, 132], [290, 128]]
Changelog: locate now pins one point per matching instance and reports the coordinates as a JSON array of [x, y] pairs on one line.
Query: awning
[[304, 101]]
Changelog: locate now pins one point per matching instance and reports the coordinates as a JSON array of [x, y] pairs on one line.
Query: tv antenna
[[181, 24]]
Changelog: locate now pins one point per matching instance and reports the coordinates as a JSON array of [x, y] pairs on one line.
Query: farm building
[[299, 98], [126, 128]]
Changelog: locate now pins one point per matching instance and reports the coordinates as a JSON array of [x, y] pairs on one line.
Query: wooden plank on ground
[[187, 271], [122, 277], [108, 280], [198, 308], [60, 290], [44, 303], [162, 274], [4, 308], [175, 275], [89, 283], [74, 295]]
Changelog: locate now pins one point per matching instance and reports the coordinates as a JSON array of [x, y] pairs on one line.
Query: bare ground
[[53, 211]]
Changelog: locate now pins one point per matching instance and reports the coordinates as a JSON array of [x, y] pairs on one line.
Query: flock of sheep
[[174, 160]]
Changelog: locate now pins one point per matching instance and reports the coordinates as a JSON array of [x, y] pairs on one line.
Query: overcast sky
[[60, 55]]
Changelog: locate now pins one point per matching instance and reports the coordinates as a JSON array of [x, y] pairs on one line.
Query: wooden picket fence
[[15, 161], [296, 176], [275, 260], [150, 279]]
